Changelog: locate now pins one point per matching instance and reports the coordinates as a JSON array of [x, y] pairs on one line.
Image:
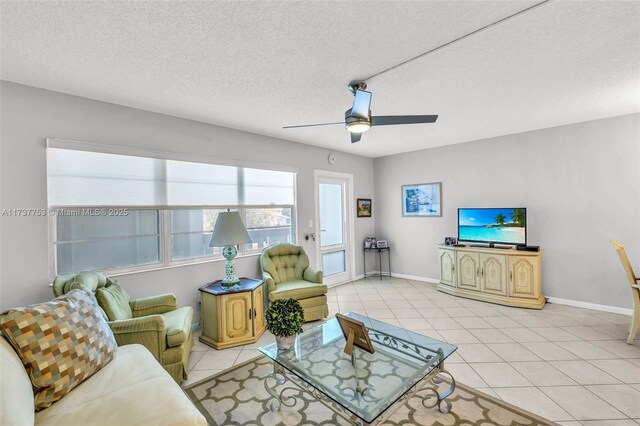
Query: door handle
[[482, 272], [255, 313], [453, 268], [510, 275], [250, 312]]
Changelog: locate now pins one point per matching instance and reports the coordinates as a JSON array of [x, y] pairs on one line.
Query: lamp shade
[[229, 230]]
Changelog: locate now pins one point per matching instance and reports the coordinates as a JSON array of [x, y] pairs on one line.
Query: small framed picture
[[422, 200], [363, 207], [355, 333]]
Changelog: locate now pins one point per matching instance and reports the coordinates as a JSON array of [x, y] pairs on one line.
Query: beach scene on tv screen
[[492, 225]]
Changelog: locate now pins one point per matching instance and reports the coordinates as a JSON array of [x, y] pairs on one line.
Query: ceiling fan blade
[[355, 137], [361, 104], [313, 125], [389, 120]]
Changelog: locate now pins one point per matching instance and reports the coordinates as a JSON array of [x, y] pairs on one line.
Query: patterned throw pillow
[[61, 343]]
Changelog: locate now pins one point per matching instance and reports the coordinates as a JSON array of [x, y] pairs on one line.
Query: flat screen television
[[493, 225]]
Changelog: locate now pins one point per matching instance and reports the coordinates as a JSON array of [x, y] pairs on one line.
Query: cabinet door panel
[[236, 321], [258, 310], [447, 267], [493, 273], [469, 271], [523, 277]]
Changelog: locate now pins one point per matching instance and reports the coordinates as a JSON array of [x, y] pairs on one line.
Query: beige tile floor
[[568, 364]]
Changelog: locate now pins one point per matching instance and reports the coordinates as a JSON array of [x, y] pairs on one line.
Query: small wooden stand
[[232, 316], [348, 348]]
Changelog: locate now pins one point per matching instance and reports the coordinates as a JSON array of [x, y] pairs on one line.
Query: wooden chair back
[[625, 262]]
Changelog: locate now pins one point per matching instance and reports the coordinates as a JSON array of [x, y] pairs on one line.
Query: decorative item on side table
[[370, 242], [284, 320], [363, 207], [229, 232], [422, 200]]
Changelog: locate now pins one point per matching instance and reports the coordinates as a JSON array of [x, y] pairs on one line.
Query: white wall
[[30, 115], [580, 184]]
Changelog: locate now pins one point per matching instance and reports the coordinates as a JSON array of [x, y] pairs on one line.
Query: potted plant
[[284, 320]]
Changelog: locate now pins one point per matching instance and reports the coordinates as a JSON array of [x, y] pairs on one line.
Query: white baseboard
[[393, 274], [556, 300], [587, 305], [356, 278], [416, 278]]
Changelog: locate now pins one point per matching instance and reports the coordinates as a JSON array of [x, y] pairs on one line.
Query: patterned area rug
[[238, 397]]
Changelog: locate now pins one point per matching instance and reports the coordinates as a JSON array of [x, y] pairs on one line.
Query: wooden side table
[[232, 316]]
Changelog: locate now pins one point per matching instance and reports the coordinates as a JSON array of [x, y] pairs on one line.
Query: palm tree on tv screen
[[500, 219], [518, 217]]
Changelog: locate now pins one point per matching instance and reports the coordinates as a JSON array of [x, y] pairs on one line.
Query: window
[[168, 208], [191, 232], [268, 226], [86, 240]]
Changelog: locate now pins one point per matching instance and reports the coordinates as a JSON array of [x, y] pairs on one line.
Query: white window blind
[[197, 184], [265, 187], [83, 178], [88, 178]]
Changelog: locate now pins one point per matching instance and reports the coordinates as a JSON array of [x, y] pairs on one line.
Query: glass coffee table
[[363, 388]]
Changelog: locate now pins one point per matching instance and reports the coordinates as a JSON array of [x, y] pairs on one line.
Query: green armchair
[[153, 322], [286, 270]]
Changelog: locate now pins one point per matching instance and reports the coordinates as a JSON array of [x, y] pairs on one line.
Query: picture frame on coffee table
[[356, 334]]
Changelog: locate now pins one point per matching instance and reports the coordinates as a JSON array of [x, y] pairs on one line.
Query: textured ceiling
[[258, 66]]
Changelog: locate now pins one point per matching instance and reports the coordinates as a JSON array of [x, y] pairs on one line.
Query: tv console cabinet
[[505, 276]]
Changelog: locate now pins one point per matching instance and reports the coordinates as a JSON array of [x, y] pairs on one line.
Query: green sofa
[[153, 322], [286, 270]]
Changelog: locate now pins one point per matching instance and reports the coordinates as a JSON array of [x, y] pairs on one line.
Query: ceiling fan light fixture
[[358, 126]]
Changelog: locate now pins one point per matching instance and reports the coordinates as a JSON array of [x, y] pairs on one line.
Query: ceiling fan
[[358, 118]]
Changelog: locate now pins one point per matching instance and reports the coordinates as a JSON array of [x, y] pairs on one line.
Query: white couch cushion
[[16, 393], [133, 389]]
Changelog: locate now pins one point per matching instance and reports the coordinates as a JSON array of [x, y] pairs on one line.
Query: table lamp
[[229, 232]]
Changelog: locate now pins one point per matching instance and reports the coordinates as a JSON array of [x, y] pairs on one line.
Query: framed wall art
[[422, 200], [363, 207]]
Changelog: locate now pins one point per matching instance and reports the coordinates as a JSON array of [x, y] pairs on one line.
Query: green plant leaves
[[285, 317]]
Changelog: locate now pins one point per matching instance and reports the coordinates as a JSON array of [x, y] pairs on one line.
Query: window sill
[[152, 268], [175, 265]]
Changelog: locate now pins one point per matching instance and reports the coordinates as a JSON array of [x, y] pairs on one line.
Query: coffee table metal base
[[287, 395]]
